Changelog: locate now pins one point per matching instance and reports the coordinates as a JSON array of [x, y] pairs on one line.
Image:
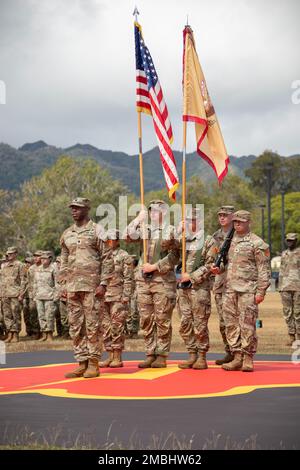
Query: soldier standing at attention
[[194, 303], [156, 282], [225, 214], [33, 315], [2, 325], [85, 267], [133, 319], [62, 304], [116, 301], [13, 276], [45, 292], [26, 311], [248, 277], [289, 286]]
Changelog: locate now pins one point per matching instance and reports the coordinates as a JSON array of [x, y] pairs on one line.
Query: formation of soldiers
[[97, 293]]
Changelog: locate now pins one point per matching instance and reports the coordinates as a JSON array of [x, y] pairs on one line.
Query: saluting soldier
[[156, 281], [289, 286]]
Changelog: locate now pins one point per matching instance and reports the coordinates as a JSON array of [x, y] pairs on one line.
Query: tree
[[258, 172], [40, 211], [292, 217]]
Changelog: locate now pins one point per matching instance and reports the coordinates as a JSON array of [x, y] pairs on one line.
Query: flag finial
[[187, 20], [136, 13]]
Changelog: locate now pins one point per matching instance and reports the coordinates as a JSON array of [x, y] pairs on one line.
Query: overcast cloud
[[69, 70]]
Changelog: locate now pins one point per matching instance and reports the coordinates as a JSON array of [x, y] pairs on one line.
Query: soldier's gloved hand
[[258, 299], [100, 291]]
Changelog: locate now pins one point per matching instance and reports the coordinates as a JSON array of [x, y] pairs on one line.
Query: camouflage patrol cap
[[3, 259], [29, 259], [80, 202], [38, 253], [226, 210], [47, 254], [241, 216], [113, 234], [58, 259], [157, 204], [193, 214], [11, 249], [291, 236]]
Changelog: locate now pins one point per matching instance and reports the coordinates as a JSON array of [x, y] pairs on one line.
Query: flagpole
[[183, 269], [142, 190], [142, 184]]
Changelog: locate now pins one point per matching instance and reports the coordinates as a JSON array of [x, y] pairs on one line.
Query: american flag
[[149, 99]]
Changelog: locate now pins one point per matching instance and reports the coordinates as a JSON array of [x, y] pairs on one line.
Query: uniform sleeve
[[56, 292], [133, 232], [23, 280], [169, 262], [128, 277], [281, 271], [107, 264], [262, 258], [63, 261], [207, 260]]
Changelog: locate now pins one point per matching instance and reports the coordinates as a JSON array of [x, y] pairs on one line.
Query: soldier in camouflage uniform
[[33, 315], [116, 302], [26, 311], [194, 303], [85, 268], [133, 319], [289, 286], [157, 292], [45, 293], [225, 214], [2, 324], [13, 278], [62, 304], [248, 277]]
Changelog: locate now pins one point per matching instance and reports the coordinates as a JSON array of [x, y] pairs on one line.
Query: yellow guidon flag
[[198, 108]]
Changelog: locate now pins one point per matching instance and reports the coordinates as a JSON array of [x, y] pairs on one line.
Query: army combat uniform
[[45, 292], [13, 279], [219, 283], [84, 266], [116, 303], [156, 293], [194, 304], [248, 274], [289, 288]]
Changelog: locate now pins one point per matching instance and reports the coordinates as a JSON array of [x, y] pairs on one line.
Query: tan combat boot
[[9, 337], [43, 337], [107, 362], [15, 337], [49, 337], [92, 370], [236, 364], [117, 359], [188, 364], [147, 363], [247, 363], [160, 362], [78, 372], [227, 358], [201, 362], [292, 338]]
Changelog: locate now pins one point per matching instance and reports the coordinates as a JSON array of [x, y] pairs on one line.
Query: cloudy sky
[[69, 70]]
